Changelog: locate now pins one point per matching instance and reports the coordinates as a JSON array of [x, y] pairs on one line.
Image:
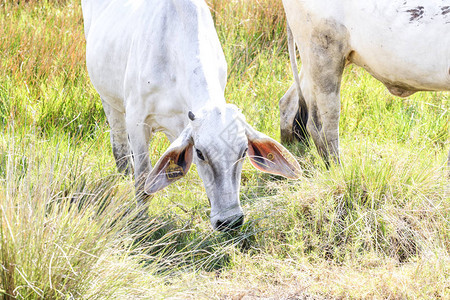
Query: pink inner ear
[[176, 164], [258, 154], [171, 167], [269, 157]]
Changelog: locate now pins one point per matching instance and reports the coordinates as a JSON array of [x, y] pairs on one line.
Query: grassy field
[[376, 226]]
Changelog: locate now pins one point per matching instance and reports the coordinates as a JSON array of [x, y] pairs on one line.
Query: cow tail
[[293, 57], [301, 118]]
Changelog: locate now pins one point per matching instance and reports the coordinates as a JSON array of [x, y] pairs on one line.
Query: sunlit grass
[[374, 226]]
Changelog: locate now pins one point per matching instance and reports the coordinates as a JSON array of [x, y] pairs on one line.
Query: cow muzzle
[[232, 223]]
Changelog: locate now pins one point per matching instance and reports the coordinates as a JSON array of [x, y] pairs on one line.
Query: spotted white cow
[[158, 66], [405, 44]]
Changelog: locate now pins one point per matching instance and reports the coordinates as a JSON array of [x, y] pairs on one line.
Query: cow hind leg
[[293, 117], [323, 122], [118, 137], [321, 86]]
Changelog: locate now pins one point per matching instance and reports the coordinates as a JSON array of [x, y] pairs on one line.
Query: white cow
[[158, 66], [403, 43]]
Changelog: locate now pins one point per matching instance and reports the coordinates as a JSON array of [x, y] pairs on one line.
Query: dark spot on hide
[[416, 13], [445, 10], [316, 121]]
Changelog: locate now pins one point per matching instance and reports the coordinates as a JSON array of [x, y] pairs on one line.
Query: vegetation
[[377, 226]]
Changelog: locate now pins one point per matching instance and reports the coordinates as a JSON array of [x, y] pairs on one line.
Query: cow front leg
[[139, 133], [118, 136]]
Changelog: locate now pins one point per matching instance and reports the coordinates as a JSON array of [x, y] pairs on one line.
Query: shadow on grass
[[167, 241], [173, 243]]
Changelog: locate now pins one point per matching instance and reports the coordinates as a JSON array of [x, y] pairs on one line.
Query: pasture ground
[[376, 226]]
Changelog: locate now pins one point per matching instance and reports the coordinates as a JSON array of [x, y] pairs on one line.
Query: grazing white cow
[[405, 44], [158, 66]]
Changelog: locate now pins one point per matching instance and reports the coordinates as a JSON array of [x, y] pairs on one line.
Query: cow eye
[[200, 154], [245, 153]]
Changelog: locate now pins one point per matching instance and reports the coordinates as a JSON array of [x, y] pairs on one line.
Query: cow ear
[[269, 156], [173, 164]]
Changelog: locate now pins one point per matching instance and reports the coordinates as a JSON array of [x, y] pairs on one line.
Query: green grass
[[377, 226]]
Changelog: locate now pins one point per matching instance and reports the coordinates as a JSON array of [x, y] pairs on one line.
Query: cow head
[[218, 139]]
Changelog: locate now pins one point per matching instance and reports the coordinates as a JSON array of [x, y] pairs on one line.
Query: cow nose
[[230, 224]]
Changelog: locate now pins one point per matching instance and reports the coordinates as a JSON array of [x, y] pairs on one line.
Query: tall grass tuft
[[56, 224]]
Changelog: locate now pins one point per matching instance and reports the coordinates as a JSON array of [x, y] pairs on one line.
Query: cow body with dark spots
[[403, 44]]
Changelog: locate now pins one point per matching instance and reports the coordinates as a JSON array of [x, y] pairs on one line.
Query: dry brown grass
[[264, 20], [37, 52]]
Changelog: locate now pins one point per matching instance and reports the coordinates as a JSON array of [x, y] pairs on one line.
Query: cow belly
[[404, 78], [404, 73]]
